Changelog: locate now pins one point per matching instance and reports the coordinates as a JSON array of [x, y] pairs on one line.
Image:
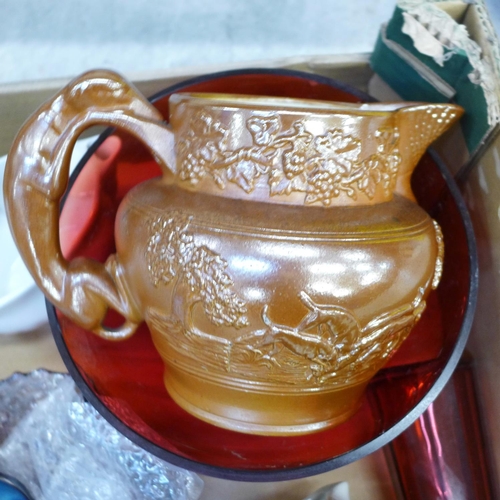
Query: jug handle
[[36, 177]]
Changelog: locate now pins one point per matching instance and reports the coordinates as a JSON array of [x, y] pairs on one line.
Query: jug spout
[[419, 126]]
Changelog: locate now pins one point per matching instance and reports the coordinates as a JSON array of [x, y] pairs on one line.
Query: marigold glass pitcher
[[280, 260]]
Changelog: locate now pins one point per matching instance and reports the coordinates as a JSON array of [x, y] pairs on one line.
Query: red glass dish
[[124, 380]]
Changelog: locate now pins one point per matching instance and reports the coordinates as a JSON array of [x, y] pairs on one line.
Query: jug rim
[[290, 104]]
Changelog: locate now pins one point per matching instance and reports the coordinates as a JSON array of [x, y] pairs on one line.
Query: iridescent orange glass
[[279, 261]]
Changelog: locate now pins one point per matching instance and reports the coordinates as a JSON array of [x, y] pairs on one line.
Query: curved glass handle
[[36, 176]]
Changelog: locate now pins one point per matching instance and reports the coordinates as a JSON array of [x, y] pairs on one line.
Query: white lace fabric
[[431, 28]]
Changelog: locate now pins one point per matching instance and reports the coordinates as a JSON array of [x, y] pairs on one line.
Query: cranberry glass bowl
[[124, 380]]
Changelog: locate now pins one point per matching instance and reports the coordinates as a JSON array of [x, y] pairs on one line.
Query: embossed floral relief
[[438, 268], [328, 346], [292, 160], [172, 256]]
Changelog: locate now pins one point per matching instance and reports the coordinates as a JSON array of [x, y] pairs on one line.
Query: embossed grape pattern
[[294, 160]]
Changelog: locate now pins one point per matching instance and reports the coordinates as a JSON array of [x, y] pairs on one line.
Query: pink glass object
[[442, 455]]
